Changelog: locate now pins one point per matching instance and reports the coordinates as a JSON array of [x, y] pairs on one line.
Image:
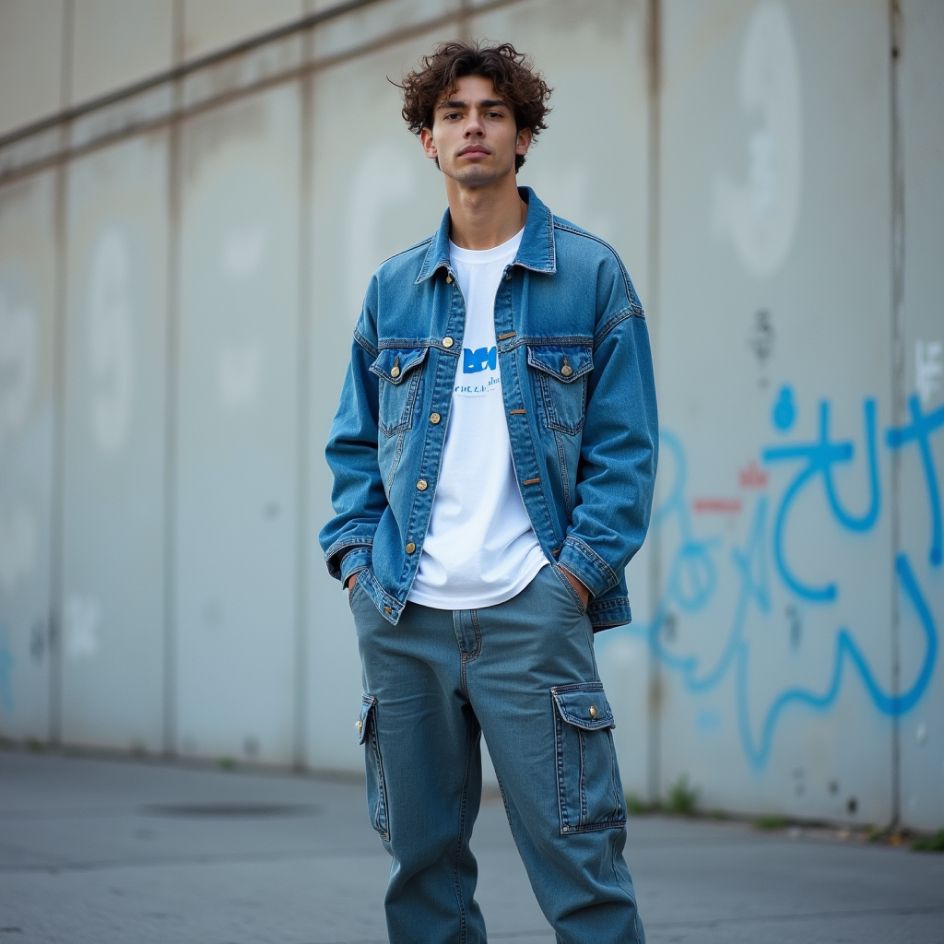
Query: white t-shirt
[[480, 548]]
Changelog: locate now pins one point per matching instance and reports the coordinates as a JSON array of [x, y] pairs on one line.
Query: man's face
[[473, 134]]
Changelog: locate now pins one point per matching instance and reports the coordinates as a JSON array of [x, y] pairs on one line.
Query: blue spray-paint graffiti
[[698, 565], [820, 458], [846, 651]]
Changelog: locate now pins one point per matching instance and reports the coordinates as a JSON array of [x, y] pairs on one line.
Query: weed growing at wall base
[[682, 797], [934, 843], [681, 800]]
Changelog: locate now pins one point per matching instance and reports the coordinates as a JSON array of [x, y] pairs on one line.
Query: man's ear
[[426, 139], [523, 142]]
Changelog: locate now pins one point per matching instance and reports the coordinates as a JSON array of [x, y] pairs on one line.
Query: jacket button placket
[[443, 381]]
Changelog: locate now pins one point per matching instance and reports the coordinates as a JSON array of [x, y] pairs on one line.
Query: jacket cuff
[[353, 562], [336, 557], [588, 567]]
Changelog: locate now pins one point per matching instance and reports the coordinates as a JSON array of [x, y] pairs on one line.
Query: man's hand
[[351, 582], [579, 588]]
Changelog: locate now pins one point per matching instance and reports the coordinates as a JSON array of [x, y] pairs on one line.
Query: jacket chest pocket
[[400, 370], [559, 375]]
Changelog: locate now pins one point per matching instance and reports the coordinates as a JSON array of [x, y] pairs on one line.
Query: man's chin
[[473, 177]]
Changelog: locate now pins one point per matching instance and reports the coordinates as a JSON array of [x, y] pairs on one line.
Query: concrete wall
[[181, 264]]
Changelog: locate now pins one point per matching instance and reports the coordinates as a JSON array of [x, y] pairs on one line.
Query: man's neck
[[484, 217]]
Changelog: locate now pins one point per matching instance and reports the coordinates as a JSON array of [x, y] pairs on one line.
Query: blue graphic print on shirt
[[480, 359]]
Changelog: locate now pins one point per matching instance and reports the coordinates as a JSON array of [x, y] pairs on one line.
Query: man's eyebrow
[[485, 103]]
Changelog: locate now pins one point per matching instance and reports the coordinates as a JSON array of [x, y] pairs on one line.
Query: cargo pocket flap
[[565, 362], [363, 723], [394, 363], [584, 706]]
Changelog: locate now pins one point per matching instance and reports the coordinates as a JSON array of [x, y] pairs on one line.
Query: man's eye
[[451, 116], [496, 114]]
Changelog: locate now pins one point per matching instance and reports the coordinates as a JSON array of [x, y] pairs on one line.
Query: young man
[[493, 454]]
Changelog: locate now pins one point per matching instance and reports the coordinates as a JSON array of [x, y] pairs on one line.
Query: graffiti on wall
[[742, 575]]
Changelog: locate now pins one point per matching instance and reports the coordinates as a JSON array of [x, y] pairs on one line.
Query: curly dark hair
[[512, 73]]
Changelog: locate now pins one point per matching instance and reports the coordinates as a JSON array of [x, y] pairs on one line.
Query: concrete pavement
[[101, 851]]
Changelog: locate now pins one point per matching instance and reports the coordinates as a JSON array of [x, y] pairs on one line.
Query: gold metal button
[[359, 725], [447, 342], [593, 711], [422, 485], [448, 279], [566, 370], [434, 418], [410, 548], [388, 610], [394, 371]]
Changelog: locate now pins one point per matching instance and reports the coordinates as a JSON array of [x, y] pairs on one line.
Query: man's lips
[[474, 149]]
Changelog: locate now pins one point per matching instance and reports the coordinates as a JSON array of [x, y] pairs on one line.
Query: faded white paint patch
[[759, 214], [19, 355], [382, 178], [19, 546], [239, 375], [239, 369], [928, 369], [110, 348], [242, 250], [82, 620]]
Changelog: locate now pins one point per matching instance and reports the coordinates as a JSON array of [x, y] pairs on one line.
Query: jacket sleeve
[[618, 453], [357, 495]]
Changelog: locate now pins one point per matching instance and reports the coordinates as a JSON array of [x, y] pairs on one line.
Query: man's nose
[[474, 123]]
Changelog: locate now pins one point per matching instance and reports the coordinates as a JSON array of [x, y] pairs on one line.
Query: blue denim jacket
[[577, 383]]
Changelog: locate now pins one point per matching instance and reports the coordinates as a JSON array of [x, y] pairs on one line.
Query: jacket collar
[[536, 251]]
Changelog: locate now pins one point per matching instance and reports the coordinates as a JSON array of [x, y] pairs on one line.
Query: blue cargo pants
[[523, 674]]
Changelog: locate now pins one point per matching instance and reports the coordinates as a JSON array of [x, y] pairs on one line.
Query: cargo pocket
[[376, 785], [560, 375], [589, 791], [400, 371]]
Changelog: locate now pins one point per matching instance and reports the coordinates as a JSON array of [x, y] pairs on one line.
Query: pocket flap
[[394, 363], [565, 362], [583, 705], [368, 704]]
